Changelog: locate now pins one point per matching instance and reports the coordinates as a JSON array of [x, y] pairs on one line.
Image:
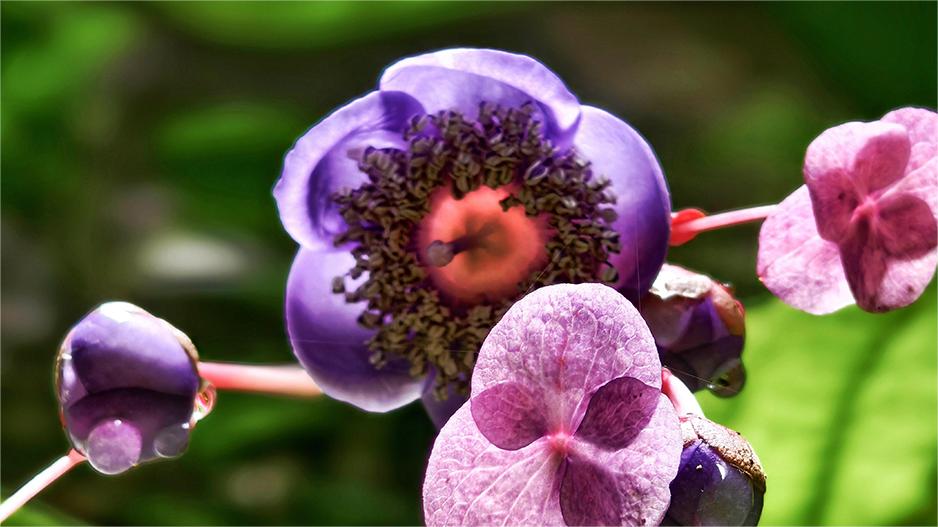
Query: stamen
[[439, 253]]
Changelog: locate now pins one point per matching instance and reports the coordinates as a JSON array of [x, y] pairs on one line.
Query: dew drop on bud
[[204, 401], [172, 440], [113, 446]]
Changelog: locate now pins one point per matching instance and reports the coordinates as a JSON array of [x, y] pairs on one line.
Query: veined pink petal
[[470, 481], [846, 164], [796, 264], [564, 342], [922, 126], [509, 415]]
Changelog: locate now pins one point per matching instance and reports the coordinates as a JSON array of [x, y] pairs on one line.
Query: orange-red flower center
[[492, 250]]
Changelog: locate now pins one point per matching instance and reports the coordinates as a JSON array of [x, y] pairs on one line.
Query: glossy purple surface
[[126, 385]]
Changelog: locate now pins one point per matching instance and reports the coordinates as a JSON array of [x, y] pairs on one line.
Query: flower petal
[[329, 342], [318, 165], [588, 494], [618, 412], [439, 410], [847, 163], [562, 343], [922, 126], [799, 267], [508, 415], [640, 473], [889, 262], [643, 204], [472, 482], [460, 79]]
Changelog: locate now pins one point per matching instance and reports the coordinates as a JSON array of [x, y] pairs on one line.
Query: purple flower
[[127, 386], [566, 423], [699, 329], [427, 207], [863, 229]]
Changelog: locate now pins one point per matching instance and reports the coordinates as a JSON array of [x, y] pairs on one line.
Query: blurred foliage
[[140, 143]]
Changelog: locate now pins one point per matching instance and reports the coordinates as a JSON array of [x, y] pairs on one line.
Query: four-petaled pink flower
[[566, 423], [863, 229]]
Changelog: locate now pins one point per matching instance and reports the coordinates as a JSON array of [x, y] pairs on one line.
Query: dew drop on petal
[[114, 446], [172, 440], [204, 401]]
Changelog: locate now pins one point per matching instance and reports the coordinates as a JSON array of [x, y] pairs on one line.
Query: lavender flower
[[427, 207], [863, 229], [127, 386], [566, 423]]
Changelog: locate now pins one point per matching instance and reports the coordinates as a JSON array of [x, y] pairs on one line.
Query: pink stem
[[687, 230], [39, 482], [680, 395], [277, 380]]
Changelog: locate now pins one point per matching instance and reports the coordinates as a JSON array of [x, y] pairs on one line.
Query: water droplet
[[172, 440], [204, 401], [114, 446]]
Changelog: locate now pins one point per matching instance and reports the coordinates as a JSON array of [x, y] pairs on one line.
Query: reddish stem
[[688, 223], [680, 395], [40, 481], [292, 381]]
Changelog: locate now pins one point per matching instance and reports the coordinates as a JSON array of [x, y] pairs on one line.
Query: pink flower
[[863, 229], [566, 423]]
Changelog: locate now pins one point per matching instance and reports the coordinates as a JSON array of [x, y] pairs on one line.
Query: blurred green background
[[140, 143]]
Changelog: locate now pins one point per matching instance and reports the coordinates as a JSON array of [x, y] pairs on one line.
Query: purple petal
[[588, 494], [799, 267], [847, 163], [329, 342], [318, 165], [439, 410], [508, 415], [618, 412], [906, 232], [562, 343], [643, 204], [922, 127], [641, 472], [119, 345], [460, 79], [472, 482]]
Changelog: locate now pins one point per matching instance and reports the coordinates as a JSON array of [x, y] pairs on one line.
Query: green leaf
[[843, 412]]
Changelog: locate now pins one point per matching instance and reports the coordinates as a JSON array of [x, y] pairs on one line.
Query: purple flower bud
[[720, 480], [699, 328], [127, 385]]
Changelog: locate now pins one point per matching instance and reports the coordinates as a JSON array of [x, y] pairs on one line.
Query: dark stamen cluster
[[503, 146]]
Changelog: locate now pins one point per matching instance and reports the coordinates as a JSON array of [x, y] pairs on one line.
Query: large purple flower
[[864, 227], [566, 423], [427, 207]]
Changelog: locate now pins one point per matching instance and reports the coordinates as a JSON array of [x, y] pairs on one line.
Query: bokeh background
[[140, 143]]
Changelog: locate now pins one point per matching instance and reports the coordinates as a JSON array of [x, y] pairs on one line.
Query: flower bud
[[127, 385], [699, 329], [720, 480]]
